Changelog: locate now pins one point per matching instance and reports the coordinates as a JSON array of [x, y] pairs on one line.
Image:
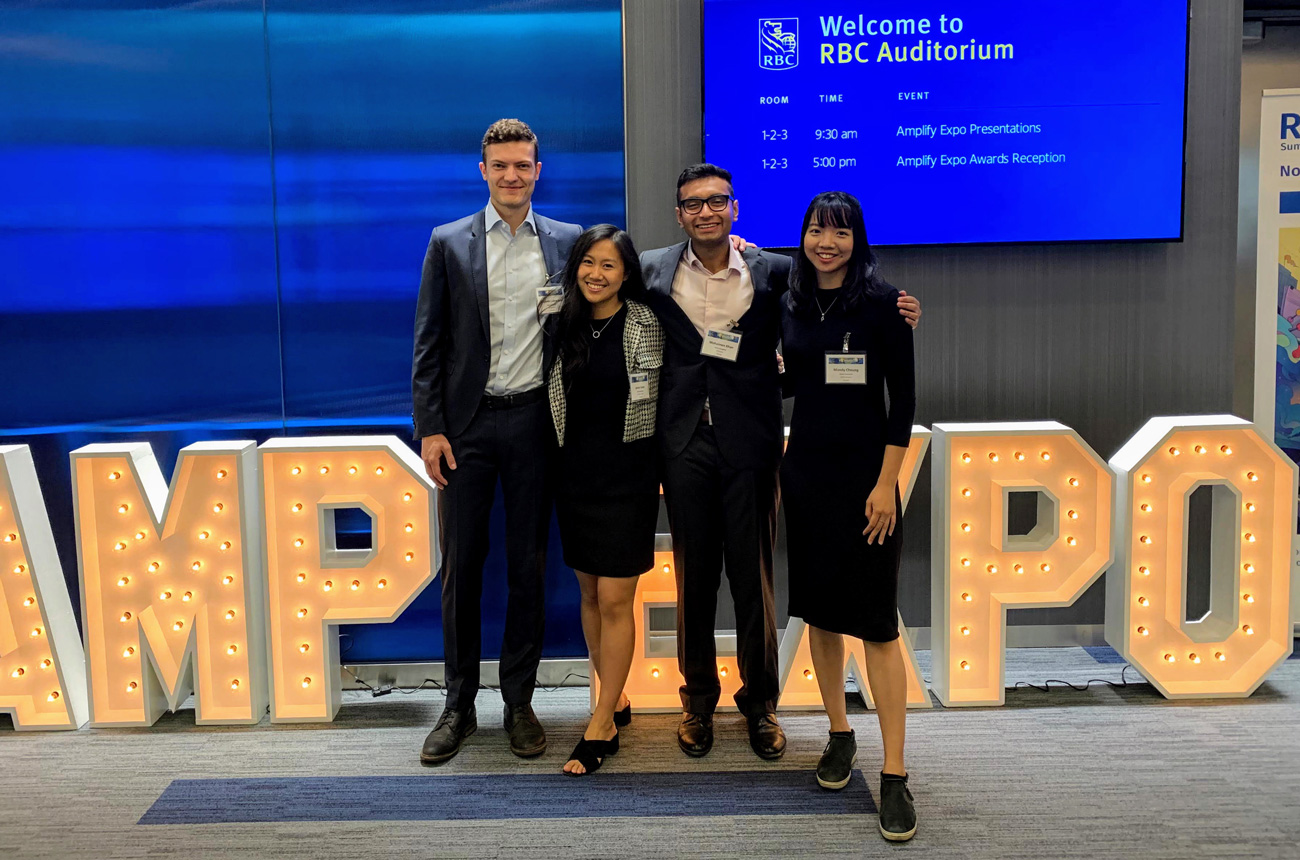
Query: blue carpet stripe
[[1104, 654], [499, 796]]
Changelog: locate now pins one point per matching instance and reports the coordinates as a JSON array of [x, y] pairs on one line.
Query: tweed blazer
[[643, 352]]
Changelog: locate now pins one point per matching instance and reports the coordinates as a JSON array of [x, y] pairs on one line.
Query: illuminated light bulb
[[1249, 598], [297, 507], [230, 615], [1194, 657], [302, 577], [409, 527], [410, 556], [965, 631], [965, 665], [296, 470], [1200, 449], [1248, 630], [1071, 541], [1146, 539], [299, 542], [186, 597], [352, 470], [1169, 658], [383, 583], [965, 562], [18, 673], [1046, 456], [234, 685], [992, 568], [1146, 509], [1250, 538], [178, 625], [123, 582], [1250, 506], [965, 527], [723, 671], [965, 595], [1142, 601], [1144, 570], [46, 663], [1249, 568], [965, 458], [1220, 656], [1174, 451], [154, 566], [306, 682], [198, 565], [304, 648], [1225, 449], [139, 535], [218, 508], [52, 697], [126, 616], [302, 613], [165, 595], [1019, 455], [121, 509], [807, 674], [327, 586], [668, 568], [119, 546], [966, 492], [1146, 479], [1018, 568], [232, 650], [131, 687], [1074, 482], [1045, 567], [993, 457], [20, 569], [113, 476], [36, 632], [1251, 476], [225, 545], [221, 474], [29, 601], [324, 470], [1142, 631], [654, 673], [406, 497], [379, 470], [129, 652], [355, 585], [227, 580]]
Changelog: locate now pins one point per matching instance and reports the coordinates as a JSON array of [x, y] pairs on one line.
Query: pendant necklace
[[595, 334], [828, 307]]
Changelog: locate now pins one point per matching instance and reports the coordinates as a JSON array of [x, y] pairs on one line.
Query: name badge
[[721, 344], [640, 385], [846, 368], [549, 299]]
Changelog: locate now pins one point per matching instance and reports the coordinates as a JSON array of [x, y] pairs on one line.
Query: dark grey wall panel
[[1100, 337]]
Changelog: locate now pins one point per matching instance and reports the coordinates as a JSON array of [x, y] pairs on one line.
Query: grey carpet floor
[[1102, 772]]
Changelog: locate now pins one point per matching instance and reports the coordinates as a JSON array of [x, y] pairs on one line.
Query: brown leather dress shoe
[[448, 733], [766, 736], [527, 737], [695, 734]]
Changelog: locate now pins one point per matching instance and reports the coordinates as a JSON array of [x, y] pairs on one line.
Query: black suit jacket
[[453, 350], [744, 395]]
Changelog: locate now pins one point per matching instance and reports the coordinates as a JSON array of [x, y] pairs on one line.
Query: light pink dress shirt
[[713, 299]]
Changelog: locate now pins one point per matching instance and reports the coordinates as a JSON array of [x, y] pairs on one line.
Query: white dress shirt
[[515, 269]]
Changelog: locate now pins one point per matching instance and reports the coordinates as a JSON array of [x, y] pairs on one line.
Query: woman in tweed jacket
[[603, 389]]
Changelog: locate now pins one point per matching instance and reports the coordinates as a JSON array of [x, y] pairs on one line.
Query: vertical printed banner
[[1277, 278]]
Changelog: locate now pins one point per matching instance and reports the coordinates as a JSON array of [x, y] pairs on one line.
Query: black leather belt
[[508, 401]]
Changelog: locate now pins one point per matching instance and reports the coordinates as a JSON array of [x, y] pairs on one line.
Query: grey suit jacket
[[449, 370]]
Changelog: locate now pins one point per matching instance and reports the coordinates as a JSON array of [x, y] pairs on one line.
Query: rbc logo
[[1290, 125], [778, 43]]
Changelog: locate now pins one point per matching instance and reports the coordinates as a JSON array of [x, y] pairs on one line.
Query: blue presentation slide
[[960, 121]]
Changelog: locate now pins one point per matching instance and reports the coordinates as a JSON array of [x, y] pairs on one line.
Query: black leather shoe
[[450, 731], [836, 765], [695, 734], [766, 736], [897, 813], [527, 737]]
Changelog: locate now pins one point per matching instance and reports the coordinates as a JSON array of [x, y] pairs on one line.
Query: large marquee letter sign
[[171, 584], [799, 690], [316, 585], [1247, 631], [979, 569], [42, 665]]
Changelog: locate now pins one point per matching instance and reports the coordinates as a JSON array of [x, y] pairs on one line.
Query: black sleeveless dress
[[838, 433]]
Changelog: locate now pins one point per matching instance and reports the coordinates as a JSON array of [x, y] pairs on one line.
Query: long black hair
[[575, 313], [836, 209]]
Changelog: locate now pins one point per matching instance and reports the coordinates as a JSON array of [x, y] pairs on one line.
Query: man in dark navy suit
[[481, 415], [721, 433]]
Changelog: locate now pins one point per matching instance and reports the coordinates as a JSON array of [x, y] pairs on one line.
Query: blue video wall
[[212, 219]]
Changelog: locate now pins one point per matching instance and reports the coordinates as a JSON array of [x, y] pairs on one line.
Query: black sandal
[[592, 754], [623, 717]]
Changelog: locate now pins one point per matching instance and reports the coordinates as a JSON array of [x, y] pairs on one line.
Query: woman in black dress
[[843, 342], [603, 391]]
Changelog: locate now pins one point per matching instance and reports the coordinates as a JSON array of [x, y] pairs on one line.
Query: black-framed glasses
[[694, 205]]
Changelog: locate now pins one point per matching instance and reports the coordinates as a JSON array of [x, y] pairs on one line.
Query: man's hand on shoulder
[[909, 307], [432, 450], [741, 245]]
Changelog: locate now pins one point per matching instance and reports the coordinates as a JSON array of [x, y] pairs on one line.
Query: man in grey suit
[[481, 415]]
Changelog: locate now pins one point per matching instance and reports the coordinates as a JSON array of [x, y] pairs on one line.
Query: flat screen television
[[961, 121]]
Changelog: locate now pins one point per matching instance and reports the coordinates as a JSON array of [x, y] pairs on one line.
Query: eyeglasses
[[693, 205]]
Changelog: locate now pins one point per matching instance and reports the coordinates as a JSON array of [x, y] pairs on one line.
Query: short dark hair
[[509, 131], [843, 211], [702, 171]]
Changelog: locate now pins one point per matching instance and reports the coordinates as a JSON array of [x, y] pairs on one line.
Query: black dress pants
[[719, 513], [508, 442]]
